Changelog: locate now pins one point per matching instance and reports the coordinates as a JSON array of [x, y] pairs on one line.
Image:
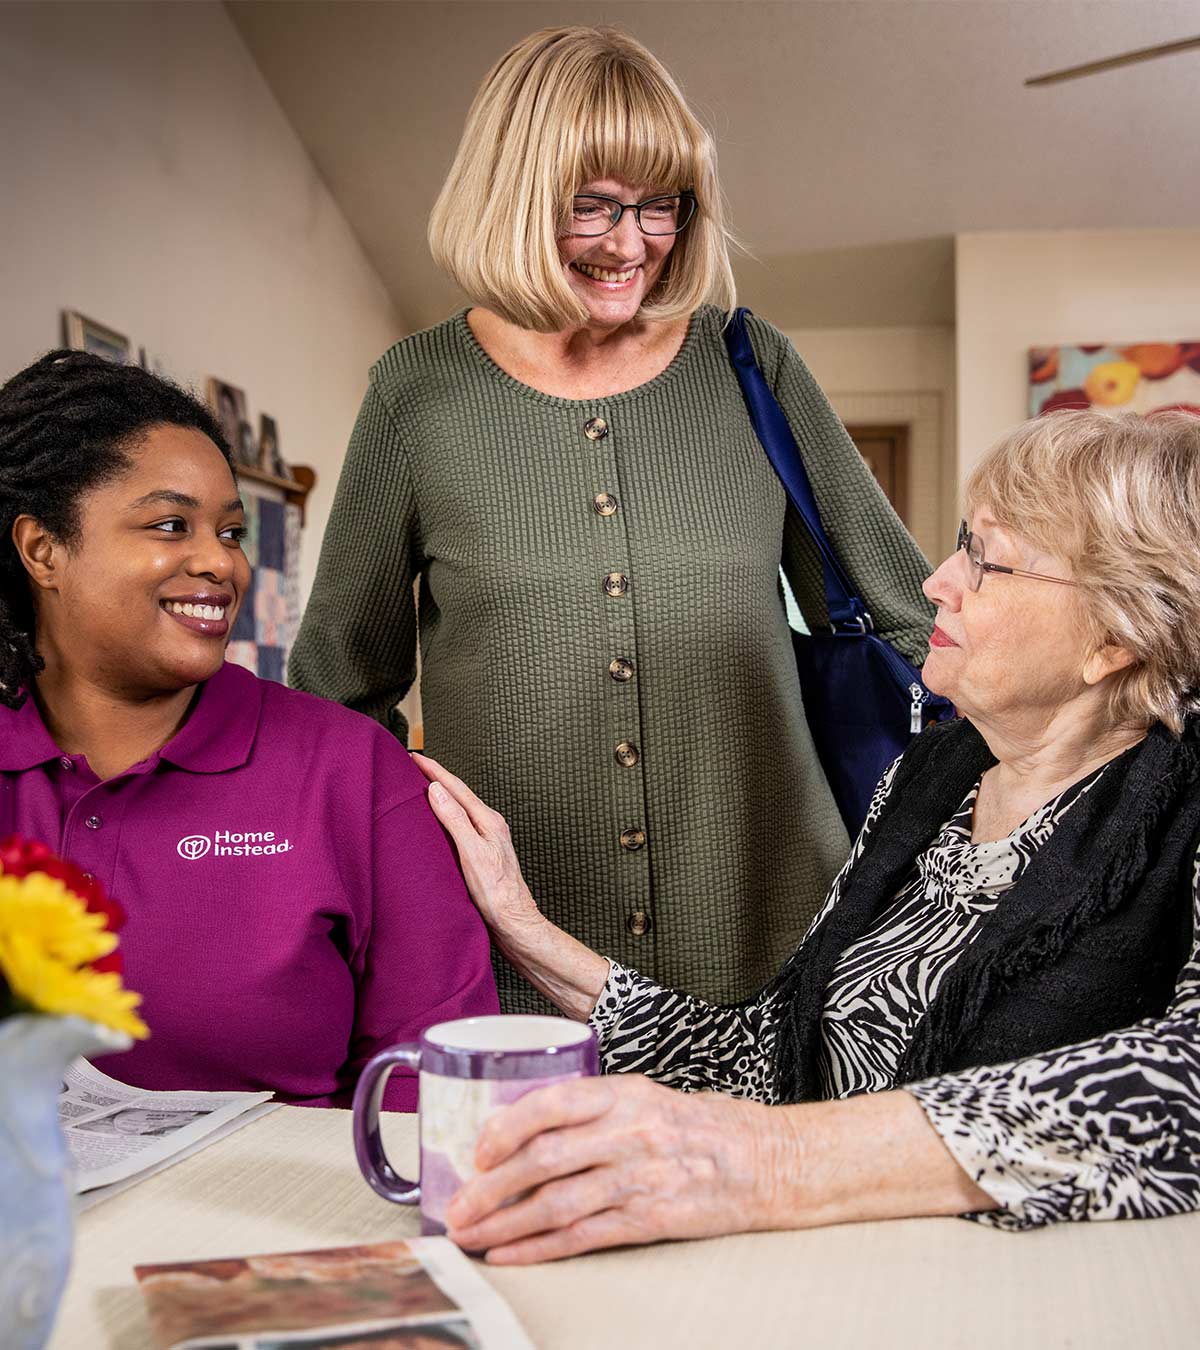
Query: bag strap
[[847, 614]]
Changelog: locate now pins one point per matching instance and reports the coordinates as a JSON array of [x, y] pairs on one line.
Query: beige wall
[[149, 180], [898, 375], [1046, 288]]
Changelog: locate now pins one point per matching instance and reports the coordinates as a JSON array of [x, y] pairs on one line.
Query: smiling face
[[1018, 647], [612, 274], [143, 598]]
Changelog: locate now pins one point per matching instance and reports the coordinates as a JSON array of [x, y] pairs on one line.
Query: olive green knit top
[[605, 652]]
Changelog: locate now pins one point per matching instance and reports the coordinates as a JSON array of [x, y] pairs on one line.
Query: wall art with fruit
[[1138, 377]]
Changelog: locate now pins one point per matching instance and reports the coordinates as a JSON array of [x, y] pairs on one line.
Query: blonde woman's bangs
[[631, 135]]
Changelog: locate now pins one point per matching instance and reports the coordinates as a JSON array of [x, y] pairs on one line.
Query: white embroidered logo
[[232, 844]]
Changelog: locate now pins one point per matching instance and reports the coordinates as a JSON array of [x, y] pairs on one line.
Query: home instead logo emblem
[[232, 844]]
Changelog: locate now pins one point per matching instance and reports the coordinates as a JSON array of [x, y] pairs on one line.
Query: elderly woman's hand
[[485, 851], [606, 1162], [603, 1162], [568, 973]]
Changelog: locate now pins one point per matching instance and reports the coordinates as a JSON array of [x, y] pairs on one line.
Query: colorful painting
[[1142, 377], [270, 614]]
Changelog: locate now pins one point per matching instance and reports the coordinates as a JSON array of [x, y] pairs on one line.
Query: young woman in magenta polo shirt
[[292, 904]]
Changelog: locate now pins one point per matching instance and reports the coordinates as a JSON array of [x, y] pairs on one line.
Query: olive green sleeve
[[876, 551], [358, 640]]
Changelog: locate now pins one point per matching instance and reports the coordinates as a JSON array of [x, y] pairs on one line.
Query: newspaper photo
[[419, 1294], [119, 1135]]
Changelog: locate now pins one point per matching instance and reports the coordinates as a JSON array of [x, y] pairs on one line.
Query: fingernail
[[438, 792]]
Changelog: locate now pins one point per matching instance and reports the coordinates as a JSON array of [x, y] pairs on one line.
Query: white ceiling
[[856, 137]]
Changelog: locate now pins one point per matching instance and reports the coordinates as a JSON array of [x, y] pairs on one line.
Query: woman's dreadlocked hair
[[67, 423]]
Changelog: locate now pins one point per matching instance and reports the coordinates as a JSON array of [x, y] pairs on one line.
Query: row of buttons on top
[[621, 670], [605, 504]]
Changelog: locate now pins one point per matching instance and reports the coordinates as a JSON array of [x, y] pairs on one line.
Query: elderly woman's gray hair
[[1117, 496]]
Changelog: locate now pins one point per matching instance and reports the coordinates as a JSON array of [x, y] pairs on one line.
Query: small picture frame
[[246, 449], [269, 458], [154, 364], [82, 334], [228, 403]]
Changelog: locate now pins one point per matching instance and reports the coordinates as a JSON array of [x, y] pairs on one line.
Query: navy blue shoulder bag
[[863, 700]]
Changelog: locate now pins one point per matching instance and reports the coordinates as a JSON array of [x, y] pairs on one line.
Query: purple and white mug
[[468, 1069]]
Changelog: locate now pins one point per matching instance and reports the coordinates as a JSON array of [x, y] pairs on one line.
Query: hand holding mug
[[604, 1162], [469, 1069]]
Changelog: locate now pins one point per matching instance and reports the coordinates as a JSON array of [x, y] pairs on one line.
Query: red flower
[[19, 857]]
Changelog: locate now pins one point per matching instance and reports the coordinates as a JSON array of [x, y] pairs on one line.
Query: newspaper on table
[[119, 1135], [416, 1294]]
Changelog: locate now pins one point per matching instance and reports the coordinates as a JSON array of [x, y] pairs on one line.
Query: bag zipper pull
[[914, 712]]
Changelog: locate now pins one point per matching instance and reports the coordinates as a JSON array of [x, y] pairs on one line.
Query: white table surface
[[289, 1181]]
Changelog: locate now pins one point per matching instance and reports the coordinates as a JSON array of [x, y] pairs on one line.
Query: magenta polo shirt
[[292, 903]]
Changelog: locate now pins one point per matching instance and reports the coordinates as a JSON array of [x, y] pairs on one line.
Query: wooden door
[[885, 448]]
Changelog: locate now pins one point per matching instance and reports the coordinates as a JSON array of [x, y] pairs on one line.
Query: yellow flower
[[48, 937]]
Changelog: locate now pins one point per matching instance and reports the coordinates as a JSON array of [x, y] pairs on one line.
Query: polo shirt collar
[[220, 731], [218, 734], [24, 741]]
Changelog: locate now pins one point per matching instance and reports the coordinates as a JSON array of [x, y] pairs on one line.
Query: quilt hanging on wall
[[270, 613], [1142, 377]]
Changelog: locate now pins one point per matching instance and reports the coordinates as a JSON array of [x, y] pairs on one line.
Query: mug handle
[[368, 1146]]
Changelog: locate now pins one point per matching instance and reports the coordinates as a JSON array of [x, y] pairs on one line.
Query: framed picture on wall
[[1141, 377], [228, 402], [86, 335], [246, 450], [269, 458]]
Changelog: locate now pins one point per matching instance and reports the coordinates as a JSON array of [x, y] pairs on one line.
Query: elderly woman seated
[[995, 1013]]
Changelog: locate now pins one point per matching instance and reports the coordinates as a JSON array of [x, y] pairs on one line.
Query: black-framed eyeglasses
[[592, 216], [979, 564]]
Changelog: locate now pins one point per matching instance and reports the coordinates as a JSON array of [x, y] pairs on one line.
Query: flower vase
[[37, 1203]]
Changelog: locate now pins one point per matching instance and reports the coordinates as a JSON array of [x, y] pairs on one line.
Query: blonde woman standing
[[568, 469]]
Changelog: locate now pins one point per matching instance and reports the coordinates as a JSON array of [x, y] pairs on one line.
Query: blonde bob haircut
[[564, 107], [1117, 496]]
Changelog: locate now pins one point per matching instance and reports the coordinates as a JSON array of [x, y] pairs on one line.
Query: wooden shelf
[[295, 489]]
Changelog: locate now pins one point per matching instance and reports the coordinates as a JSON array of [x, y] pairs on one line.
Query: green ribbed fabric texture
[[484, 488]]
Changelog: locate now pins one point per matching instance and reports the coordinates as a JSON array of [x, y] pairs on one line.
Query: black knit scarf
[[1090, 938]]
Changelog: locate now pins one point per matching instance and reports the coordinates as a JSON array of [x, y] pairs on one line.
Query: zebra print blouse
[[1109, 1128]]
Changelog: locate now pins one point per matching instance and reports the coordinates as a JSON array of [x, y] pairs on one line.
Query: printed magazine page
[[118, 1134], [420, 1294]]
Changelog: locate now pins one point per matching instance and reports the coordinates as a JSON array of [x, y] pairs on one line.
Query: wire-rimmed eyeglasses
[[979, 565], [593, 215]]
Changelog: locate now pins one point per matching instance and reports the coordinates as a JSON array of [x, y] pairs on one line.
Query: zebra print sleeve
[[683, 1042], [692, 1045], [1107, 1129]]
